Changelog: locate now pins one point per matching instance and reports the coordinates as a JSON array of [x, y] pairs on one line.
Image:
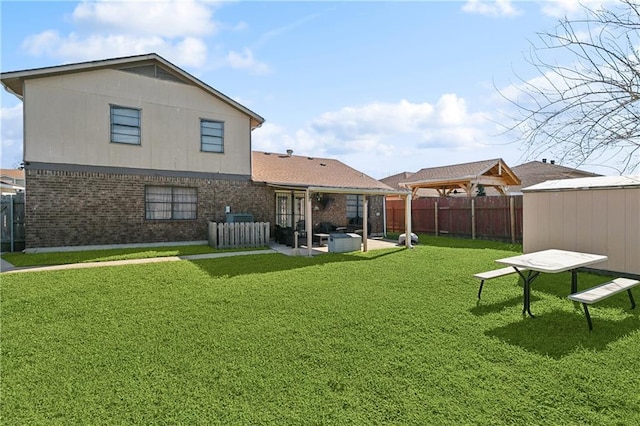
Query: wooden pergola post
[[308, 223], [365, 219], [407, 221]]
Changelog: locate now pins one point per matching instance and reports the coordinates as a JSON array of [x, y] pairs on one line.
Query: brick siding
[[67, 208], [71, 208]]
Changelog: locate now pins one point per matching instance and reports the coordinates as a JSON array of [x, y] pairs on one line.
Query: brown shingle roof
[[447, 179], [394, 180], [300, 171], [454, 171], [535, 172]]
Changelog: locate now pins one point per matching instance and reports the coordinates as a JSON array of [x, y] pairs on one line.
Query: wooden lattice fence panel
[[239, 235]]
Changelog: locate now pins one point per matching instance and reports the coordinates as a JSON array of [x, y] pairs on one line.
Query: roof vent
[[289, 152]]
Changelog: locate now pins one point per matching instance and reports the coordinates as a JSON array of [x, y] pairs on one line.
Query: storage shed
[[598, 215]]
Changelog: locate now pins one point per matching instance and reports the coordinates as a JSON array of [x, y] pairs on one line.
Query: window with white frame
[[289, 208], [211, 136], [171, 203], [125, 125]]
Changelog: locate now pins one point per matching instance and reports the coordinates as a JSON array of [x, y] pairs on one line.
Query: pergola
[[464, 177]]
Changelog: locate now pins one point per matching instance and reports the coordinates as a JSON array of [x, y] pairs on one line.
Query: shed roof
[[601, 182], [13, 81], [318, 174]]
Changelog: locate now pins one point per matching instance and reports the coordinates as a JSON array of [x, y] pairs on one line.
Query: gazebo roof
[[466, 176]]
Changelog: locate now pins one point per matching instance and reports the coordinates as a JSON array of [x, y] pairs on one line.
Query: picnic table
[[549, 261]]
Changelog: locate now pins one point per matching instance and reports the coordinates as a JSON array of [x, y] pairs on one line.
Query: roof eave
[[13, 80]]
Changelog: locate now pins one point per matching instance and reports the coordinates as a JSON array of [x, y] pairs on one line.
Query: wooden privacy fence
[[238, 235], [491, 218]]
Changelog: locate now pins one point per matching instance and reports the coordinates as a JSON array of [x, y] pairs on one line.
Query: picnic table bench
[[602, 291], [496, 273]]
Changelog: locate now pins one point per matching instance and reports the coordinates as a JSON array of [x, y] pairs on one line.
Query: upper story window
[[125, 125], [211, 136]]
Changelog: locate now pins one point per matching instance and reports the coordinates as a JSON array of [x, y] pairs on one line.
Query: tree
[[586, 111]]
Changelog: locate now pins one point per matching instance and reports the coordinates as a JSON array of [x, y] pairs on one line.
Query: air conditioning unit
[[239, 217]]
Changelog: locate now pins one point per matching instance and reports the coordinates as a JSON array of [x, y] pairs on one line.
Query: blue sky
[[384, 87]]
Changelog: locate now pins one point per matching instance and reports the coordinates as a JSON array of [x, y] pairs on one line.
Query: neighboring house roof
[[12, 175], [151, 64], [317, 174], [466, 176], [535, 172], [394, 181], [11, 181]]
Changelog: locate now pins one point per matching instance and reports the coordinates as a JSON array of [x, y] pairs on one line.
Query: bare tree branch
[[587, 109]]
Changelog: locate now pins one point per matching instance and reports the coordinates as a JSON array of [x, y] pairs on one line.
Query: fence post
[[473, 218], [435, 213], [512, 214], [213, 234]]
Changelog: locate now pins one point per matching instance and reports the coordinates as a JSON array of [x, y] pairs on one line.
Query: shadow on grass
[[244, 265], [484, 308], [451, 242], [558, 333], [559, 285]]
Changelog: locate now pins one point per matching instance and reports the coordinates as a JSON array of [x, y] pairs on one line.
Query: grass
[[385, 337], [62, 258]]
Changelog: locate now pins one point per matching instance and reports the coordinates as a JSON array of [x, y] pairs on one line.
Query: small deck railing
[[239, 235]]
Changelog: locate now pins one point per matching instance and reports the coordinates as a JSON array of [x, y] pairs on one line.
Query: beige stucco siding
[[601, 221], [67, 120]]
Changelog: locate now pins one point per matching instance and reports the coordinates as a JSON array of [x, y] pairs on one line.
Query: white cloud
[[245, 60], [374, 137], [11, 135], [494, 9], [168, 18], [175, 29], [562, 8]]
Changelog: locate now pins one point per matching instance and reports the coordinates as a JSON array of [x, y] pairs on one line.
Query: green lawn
[[62, 258], [385, 337]]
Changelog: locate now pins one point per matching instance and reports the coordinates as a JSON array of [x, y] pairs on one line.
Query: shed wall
[[601, 221]]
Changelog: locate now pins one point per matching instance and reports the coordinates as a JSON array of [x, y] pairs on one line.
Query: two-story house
[[136, 150]]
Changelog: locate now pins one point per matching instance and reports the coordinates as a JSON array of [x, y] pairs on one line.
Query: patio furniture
[[598, 293], [322, 236], [496, 273], [342, 243], [550, 261], [355, 225]]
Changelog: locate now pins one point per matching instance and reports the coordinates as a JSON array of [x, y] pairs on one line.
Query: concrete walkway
[[6, 267]]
